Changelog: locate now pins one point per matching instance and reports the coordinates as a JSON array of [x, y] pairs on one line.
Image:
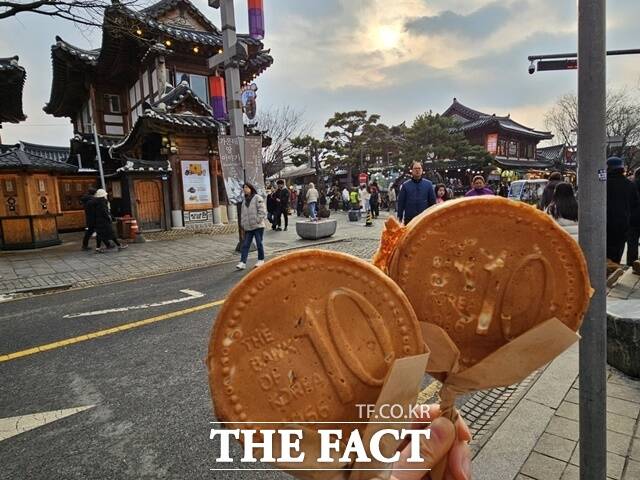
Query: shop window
[[112, 103], [198, 84], [513, 148], [502, 148]]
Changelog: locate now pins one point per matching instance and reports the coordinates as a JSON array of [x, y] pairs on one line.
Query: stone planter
[[315, 230], [623, 335]]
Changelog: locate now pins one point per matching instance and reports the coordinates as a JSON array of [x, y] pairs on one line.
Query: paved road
[[148, 385]]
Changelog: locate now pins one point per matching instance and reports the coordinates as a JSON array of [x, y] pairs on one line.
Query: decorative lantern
[[218, 97], [256, 19]]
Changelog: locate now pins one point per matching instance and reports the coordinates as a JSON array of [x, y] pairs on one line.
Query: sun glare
[[388, 37]]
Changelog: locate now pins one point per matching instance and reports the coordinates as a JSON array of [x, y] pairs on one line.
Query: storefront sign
[[253, 163], [196, 184], [230, 160], [363, 178], [197, 217]]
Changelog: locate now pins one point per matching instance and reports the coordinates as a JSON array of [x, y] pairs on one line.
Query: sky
[[395, 58]]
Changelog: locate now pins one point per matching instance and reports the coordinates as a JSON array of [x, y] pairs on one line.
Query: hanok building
[[513, 145], [12, 78], [150, 93]]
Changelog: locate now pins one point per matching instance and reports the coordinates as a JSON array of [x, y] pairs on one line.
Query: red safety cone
[[135, 232]]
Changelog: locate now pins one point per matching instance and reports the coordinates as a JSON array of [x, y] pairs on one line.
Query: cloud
[[480, 23]]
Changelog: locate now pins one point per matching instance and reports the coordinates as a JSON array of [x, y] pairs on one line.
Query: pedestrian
[[354, 198], [312, 197], [89, 204], [282, 205], [392, 199], [478, 187], [554, 179], [104, 224], [302, 195], [374, 199], [564, 208], [252, 221], [622, 200], [364, 197], [634, 227], [293, 196], [504, 190], [442, 194], [345, 199], [271, 208], [416, 195]]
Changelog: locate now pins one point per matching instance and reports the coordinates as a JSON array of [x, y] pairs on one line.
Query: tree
[[83, 12], [310, 151], [345, 139], [281, 124], [434, 137], [623, 123]]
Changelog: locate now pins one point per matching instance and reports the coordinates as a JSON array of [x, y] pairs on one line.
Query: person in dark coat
[[282, 204], [374, 199], [547, 194], [103, 223], [271, 208], [416, 195], [622, 200], [634, 227], [89, 205]]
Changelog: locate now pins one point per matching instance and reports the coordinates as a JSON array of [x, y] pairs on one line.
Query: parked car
[[528, 191]]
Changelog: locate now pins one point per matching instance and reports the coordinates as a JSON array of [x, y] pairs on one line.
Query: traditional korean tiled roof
[[458, 109], [177, 96], [553, 153], [470, 119], [18, 159], [89, 57], [12, 78], [106, 141], [50, 152], [152, 120], [162, 7], [523, 163], [137, 165]]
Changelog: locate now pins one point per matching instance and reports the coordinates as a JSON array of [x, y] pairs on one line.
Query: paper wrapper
[[510, 364], [391, 235], [401, 387]]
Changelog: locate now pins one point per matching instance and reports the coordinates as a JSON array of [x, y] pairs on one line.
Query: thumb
[[432, 451]]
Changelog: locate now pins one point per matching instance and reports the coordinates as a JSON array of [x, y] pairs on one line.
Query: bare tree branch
[[281, 124], [88, 13]]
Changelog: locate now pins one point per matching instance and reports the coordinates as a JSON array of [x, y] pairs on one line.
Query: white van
[[528, 191]]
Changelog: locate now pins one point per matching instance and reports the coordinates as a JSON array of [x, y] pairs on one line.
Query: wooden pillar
[[214, 163], [161, 73]]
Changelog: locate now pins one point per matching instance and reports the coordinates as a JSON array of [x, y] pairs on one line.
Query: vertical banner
[[196, 184], [253, 163], [256, 19], [231, 162]]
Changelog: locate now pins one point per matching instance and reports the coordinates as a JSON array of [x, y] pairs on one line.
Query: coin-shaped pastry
[[487, 269], [306, 337]]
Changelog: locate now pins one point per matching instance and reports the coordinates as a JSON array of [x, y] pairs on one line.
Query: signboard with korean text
[[253, 163], [198, 217], [196, 184], [231, 162]]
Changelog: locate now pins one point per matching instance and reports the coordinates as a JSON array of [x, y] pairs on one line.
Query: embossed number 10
[[336, 349]]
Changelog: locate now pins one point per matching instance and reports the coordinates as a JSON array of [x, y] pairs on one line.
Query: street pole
[[97, 143], [232, 83], [592, 223]]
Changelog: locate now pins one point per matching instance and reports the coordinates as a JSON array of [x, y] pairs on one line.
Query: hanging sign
[[196, 184], [249, 100], [231, 162], [253, 164]]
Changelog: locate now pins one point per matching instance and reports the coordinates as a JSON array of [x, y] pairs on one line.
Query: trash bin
[[354, 215]]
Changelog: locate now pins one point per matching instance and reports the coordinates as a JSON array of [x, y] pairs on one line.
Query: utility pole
[[97, 142], [592, 192], [229, 57]]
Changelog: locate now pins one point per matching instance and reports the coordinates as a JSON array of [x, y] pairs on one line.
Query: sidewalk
[[66, 266], [538, 438]]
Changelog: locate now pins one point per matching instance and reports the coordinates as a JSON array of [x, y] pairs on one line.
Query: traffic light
[[566, 64]]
